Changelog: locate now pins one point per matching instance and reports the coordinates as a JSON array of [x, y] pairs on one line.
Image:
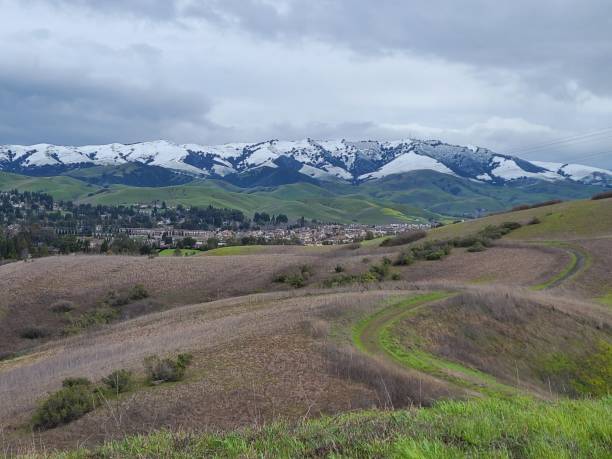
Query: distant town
[[309, 234], [33, 224]]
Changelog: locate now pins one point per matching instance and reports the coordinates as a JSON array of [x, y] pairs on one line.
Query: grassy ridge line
[[514, 428]]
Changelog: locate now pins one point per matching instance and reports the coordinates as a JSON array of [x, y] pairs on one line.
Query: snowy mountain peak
[[352, 161]]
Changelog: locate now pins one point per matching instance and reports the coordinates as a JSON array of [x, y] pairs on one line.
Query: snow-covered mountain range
[[323, 160]]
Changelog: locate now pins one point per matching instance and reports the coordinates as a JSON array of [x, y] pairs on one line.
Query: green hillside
[[411, 197], [566, 220], [59, 187]]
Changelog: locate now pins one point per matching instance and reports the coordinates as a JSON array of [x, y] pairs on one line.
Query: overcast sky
[[507, 75]]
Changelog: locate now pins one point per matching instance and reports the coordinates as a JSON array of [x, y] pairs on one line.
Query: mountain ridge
[[336, 160]]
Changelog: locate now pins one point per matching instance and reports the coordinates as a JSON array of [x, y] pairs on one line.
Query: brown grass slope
[[533, 341], [254, 362]]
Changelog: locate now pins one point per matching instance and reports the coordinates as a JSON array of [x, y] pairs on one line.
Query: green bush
[[295, 280], [67, 404], [380, 271], [74, 382], [118, 381], [61, 307], [404, 259], [534, 221], [603, 195], [166, 370], [339, 268], [99, 316], [138, 292], [404, 238], [34, 333], [477, 247]]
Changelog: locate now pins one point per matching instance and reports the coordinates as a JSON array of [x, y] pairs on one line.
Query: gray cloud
[[549, 41], [502, 75], [75, 109]]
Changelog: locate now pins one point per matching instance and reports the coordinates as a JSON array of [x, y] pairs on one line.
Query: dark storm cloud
[[73, 109]]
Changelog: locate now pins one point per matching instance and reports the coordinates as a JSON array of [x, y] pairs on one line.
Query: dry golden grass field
[[517, 318]]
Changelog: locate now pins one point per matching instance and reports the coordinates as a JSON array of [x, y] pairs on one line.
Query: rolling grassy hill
[[59, 187], [566, 220], [410, 197]]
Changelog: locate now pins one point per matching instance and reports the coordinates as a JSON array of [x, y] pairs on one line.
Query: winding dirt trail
[[369, 335]]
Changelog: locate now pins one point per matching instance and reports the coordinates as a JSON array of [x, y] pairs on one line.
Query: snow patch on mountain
[[351, 161], [408, 162]]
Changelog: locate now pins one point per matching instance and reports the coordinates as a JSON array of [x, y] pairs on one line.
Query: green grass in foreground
[[184, 252], [513, 428]]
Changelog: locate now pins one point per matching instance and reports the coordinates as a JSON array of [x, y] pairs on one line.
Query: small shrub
[[118, 381], [535, 206], [603, 195], [534, 221], [404, 259], [295, 280], [114, 300], [395, 276], [34, 333], [339, 269], [403, 238], [62, 307], [69, 403], [165, 370], [74, 382], [365, 260], [380, 271], [99, 316], [138, 292], [306, 270], [477, 247]]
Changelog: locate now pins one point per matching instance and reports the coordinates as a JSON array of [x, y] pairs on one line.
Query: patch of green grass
[[390, 318], [416, 358], [373, 242], [606, 299], [559, 221], [359, 327], [235, 250], [61, 188], [184, 252], [485, 428], [588, 375]]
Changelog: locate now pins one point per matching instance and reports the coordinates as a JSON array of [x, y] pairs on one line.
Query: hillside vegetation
[[490, 338], [565, 220], [479, 428], [413, 196]]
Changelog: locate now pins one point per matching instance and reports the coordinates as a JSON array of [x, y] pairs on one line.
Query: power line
[[587, 137]]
